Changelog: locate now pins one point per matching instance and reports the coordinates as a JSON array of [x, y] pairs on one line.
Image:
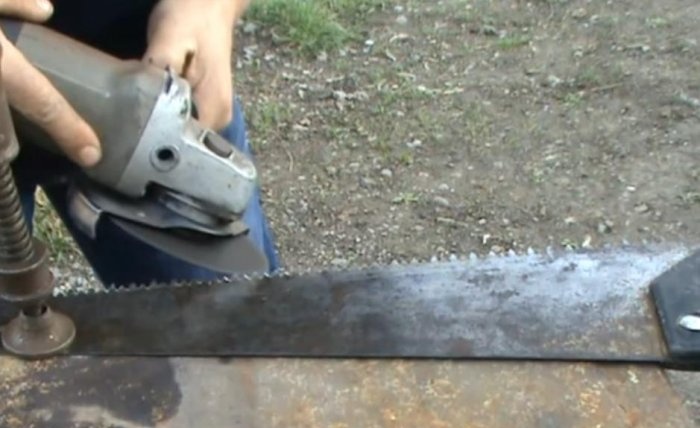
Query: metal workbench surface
[[270, 393]]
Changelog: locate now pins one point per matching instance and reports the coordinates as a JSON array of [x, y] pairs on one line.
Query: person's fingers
[[169, 46], [31, 10], [211, 89], [214, 99], [175, 42], [33, 95]]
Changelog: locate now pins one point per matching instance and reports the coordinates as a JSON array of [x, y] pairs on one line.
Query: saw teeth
[[453, 260]]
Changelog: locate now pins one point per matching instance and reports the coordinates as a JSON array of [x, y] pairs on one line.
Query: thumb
[[31, 10]]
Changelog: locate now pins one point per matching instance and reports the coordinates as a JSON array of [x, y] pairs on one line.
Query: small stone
[[444, 187], [398, 9], [690, 101], [367, 182], [553, 81], [604, 227], [402, 20], [414, 144], [641, 208], [331, 170], [586, 242], [249, 52], [387, 173], [418, 228], [497, 249], [340, 96], [579, 13], [489, 30], [250, 28], [339, 262], [79, 282], [439, 200]]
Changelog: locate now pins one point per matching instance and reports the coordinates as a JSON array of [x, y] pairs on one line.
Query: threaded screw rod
[[15, 240]]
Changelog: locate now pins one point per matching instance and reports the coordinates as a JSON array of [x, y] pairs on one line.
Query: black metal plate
[[585, 307], [676, 293]]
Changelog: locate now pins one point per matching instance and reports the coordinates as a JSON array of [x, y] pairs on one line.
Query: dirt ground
[[480, 126], [457, 127]]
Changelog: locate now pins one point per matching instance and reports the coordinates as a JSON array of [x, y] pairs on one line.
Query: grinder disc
[[227, 254]]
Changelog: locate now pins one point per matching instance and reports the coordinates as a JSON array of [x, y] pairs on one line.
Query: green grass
[[267, 117], [657, 22], [312, 26], [573, 99], [588, 77], [49, 228], [512, 42], [406, 198]]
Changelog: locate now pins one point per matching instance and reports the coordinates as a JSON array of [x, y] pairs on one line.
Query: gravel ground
[[481, 126], [453, 126]]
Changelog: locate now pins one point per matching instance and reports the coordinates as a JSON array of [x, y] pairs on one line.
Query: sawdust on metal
[[287, 393]]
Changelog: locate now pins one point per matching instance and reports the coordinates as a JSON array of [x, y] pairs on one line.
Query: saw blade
[[590, 306], [224, 254]]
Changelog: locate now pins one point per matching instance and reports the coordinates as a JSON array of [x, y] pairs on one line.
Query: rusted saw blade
[[591, 306]]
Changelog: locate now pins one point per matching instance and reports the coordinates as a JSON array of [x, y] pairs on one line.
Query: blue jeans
[[115, 256]]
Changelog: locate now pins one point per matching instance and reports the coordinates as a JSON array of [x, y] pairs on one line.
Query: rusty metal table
[[270, 393]]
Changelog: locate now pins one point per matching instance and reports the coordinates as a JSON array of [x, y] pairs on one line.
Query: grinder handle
[[115, 97]]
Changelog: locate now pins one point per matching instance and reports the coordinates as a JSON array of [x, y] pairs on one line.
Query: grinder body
[[143, 116], [163, 177], [115, 97]]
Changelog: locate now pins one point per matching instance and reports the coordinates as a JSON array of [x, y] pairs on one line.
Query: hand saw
[[164, 178], [613, 305]]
